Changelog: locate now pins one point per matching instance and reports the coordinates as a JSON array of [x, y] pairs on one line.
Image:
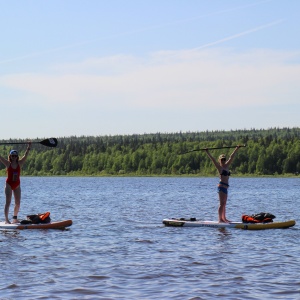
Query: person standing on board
[[223, 168], [13, 168]]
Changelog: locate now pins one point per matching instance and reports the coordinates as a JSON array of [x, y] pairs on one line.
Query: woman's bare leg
[[222, 207], [17, 196], [8, 195]]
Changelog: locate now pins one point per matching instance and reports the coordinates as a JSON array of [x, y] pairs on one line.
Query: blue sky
[[96, 67]]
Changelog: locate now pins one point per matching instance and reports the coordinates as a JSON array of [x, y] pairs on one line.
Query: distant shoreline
[[162, 176]]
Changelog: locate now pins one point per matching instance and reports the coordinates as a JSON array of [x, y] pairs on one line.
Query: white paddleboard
[[240, 225]]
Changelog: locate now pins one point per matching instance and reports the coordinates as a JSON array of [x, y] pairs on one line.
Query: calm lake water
[[118, 247]]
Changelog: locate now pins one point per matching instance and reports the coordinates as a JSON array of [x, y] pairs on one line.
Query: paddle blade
[[52, 142]]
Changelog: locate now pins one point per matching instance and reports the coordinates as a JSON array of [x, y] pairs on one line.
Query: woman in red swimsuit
[[13, 168], [223, 168]]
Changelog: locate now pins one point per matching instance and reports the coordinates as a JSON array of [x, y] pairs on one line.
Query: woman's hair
[[222, 156]]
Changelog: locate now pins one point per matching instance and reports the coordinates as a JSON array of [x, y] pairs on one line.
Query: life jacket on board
[[258, 218], [38, 218]]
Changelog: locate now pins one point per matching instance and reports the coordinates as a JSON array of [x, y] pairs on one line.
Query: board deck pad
[[52, 225], [193, 222]]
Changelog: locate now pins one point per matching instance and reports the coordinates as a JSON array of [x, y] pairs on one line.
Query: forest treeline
[[268, 152]]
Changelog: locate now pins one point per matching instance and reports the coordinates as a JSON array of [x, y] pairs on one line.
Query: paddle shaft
[[215, 148]]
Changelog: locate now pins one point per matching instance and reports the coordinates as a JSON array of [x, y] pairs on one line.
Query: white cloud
[[175, 80]]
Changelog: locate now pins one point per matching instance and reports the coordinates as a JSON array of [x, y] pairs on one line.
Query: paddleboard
[[51, 225], [240, 225]]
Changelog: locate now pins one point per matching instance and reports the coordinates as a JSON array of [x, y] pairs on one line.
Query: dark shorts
[[223, 187]]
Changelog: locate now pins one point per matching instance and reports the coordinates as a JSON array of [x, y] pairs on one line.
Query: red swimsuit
[[13, 177]]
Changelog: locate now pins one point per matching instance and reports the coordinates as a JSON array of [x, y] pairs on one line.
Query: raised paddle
[[51, 142], [214, 148]]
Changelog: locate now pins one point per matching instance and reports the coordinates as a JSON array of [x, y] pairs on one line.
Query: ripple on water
[[117, 247]]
